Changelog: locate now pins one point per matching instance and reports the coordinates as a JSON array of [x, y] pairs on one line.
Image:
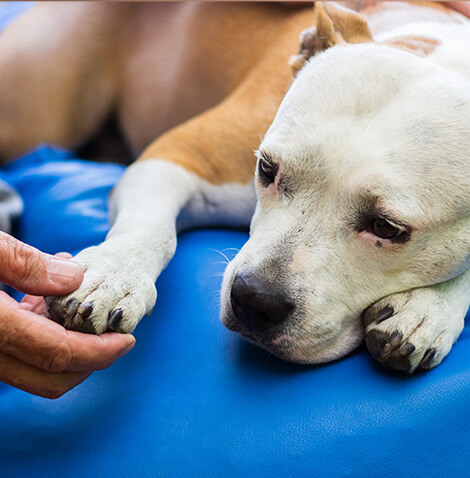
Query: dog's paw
[[113, 296], [412, 330]]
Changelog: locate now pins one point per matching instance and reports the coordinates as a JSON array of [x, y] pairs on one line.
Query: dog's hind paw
[[114, 296], [412, 330]]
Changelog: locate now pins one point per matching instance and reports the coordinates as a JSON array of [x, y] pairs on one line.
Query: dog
[[359, 193]]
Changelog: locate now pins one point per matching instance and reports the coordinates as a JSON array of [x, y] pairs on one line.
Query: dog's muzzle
[[257, 304]]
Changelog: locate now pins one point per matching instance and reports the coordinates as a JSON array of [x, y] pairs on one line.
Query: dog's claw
[[427, 359], [396, 338], [377, 315], [115, 319], [85, 310], [406, 349], [71, 307], [384, 314]]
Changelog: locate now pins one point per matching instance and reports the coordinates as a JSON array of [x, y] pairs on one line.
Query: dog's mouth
[[269, 340], [273, 346], [295, 343], [276, 343], [301, 328]]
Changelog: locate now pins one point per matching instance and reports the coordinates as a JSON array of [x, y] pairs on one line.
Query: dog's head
[[363, 186]]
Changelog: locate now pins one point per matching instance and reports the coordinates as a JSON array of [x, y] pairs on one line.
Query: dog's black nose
[[257, 304]]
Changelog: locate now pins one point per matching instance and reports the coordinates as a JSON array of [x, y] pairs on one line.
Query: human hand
[[36, 354]]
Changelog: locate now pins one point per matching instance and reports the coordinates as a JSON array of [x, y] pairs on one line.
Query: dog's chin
[[318, 352], [300, 350]]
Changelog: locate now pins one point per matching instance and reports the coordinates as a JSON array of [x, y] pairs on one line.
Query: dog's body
[[338, 224]]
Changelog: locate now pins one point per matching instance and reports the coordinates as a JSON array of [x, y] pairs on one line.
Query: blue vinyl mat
[[194, 400]]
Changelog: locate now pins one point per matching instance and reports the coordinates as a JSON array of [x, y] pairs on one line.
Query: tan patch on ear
[[334, 24], [349, 24], [327, 34], [421, 46]]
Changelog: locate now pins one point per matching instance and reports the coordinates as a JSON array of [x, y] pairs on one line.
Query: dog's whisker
[[222, 254], [216, 301], [218, 274]]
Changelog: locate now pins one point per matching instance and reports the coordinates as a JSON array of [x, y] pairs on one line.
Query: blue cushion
[[61, 194], [193, 399]]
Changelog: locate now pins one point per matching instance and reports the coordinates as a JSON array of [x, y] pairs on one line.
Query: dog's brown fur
[[214, 72]]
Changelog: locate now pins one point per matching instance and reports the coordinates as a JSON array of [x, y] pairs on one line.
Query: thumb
[[34, 272]]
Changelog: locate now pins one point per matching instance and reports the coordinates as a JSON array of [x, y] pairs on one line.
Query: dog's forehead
[[349, 89], [346, 81], [356, 106], [374, 118]]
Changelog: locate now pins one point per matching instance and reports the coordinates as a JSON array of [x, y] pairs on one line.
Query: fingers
[[35, 304], [34, 380], [91, 352], [40, 342], [36, 354], [64, 255], [31, 271]]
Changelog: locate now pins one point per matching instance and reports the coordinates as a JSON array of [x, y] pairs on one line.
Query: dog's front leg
[[415, 329], [120, 274], [199, 173]]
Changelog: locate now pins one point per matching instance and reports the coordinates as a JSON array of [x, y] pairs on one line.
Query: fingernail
[[62, 272], [128, 348]]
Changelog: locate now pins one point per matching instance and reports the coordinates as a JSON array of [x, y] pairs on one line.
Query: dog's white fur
[[114, 280], [369, 120], [359, 121]]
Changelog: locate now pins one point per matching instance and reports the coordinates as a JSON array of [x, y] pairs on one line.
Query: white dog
[[362, 186], [363, 191]]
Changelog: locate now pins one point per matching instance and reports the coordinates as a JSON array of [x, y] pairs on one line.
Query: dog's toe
[[381, 344], [56, 309], [390, 349], [111, 298], [411, 331]]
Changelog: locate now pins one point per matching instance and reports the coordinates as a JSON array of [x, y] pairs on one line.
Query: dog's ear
[[421, 46], [307, 50], [333, 24]]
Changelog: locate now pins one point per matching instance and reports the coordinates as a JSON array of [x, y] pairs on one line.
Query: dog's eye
[[267, 171], [385, 229]]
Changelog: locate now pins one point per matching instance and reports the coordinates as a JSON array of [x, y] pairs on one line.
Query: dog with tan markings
[[361, 191]]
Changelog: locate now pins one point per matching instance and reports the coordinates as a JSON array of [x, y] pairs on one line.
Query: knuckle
[[23, 261], [59, 359]]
